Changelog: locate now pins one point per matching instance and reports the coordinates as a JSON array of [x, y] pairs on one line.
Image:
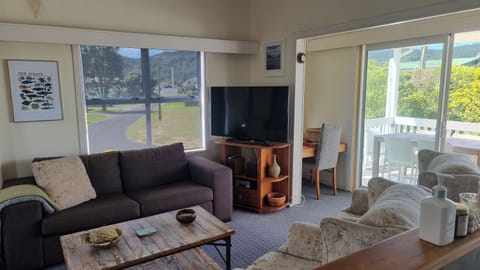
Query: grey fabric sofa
[[375, 214], [129, 185]]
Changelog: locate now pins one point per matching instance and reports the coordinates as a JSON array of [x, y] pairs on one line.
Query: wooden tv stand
[[255, 197]]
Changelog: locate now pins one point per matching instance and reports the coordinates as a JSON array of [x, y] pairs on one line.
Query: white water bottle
[[437, 216]]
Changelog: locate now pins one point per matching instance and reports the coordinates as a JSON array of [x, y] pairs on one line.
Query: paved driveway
[[112, 133]]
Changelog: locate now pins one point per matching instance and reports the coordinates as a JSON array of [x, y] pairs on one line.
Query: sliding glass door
[[417, 94], [402, 97], [463, 125]]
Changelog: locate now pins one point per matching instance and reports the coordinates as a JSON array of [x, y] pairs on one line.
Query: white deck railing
[[413, 125]]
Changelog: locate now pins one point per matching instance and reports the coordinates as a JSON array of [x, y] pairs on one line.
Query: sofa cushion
[[104, 172], [104, 210], [171, 196], [397, 207], [65, 180], [376, 186], [147, 168]]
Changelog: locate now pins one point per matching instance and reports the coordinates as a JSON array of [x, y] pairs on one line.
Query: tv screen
[[250, 113]]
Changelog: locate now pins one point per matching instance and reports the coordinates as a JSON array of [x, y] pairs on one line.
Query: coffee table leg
[[228, 248]]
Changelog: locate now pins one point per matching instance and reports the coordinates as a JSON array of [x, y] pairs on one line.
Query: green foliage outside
[[109, 75], [419, 92], [97, 114]]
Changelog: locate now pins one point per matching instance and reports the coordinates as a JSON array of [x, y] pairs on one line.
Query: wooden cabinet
[[250, 191]]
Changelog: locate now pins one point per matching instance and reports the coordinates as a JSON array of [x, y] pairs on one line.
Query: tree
[[464, 98], [376, 94], [102, 69]]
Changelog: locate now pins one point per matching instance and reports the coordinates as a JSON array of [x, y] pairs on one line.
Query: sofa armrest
[[219, 179], [343, 237], [359, 204], [22, 241], [305, 241]]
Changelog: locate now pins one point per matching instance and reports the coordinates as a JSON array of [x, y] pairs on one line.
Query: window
[[140, 98]]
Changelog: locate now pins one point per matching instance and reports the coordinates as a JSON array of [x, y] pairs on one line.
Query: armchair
[[465, 171]]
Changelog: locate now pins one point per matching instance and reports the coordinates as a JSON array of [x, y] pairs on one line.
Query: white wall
[[225, 19], [329, 97], [20, 142]]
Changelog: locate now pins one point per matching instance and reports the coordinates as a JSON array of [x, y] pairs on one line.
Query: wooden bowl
[[276, 198], [105, 244], [186, 216]]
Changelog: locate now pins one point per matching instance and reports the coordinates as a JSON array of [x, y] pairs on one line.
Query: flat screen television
[[250, 113]]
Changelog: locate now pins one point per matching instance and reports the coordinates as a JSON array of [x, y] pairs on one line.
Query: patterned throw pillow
[[65, 180]]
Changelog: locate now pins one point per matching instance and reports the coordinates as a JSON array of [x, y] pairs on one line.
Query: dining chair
[[326, 156], [425, 144], [399, 151]]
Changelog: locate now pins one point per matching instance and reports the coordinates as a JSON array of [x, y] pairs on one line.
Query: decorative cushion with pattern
[[65, 180], [397, 207]]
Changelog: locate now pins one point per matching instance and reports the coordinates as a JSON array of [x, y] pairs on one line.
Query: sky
[[135, 52]]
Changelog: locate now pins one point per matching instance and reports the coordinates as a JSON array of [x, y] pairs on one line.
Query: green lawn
[[96, 114], [179, 123]]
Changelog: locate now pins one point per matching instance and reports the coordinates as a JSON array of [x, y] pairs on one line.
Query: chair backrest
[[399, 150], [426, 144], [327, 152]]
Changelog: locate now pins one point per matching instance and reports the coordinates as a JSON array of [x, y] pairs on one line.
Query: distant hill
[[185, 65], [464, 51]]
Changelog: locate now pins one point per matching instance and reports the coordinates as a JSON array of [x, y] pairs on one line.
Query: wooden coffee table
[[171, 237]]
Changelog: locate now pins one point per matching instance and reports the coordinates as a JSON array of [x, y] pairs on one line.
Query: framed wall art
[[274, 58], [35, 90]]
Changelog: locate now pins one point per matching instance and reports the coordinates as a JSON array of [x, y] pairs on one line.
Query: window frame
[[82, 103]]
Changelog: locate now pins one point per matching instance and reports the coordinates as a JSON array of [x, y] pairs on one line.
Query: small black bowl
[[186, 216]]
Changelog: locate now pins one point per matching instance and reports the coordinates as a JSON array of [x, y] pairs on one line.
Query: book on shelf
[[309, 144]]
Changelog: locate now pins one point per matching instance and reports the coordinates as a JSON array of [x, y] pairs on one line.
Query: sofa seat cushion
[[397, 207], [278, 260], [104, 210], [171, 196]]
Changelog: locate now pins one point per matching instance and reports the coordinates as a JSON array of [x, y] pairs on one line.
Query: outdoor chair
[[400, 152]]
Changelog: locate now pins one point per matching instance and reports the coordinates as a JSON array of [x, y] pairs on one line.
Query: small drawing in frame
[[274, 58], [35, 90]]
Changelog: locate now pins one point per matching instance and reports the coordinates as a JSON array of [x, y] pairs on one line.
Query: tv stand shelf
[[255, 197]]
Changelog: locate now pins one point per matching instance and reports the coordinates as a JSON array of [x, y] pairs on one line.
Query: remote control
[[145, 232]]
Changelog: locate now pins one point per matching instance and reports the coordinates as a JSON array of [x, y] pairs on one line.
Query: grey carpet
[[257, 234]]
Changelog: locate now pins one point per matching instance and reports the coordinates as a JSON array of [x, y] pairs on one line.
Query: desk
[[458, 145], [309, 151]]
